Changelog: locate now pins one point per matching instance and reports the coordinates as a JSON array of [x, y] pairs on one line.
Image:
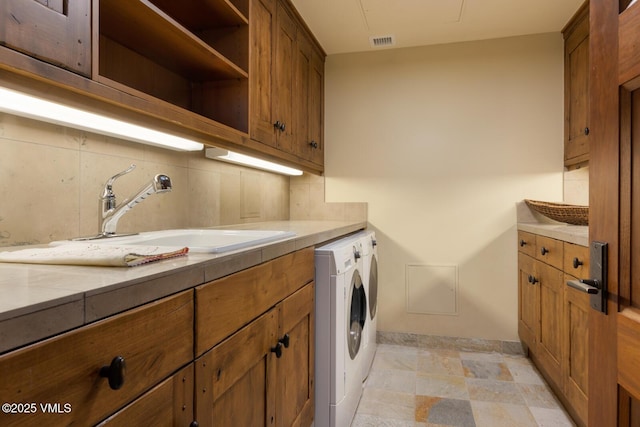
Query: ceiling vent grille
[[382, 41]]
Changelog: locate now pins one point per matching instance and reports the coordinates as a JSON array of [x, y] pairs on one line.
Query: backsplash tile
[[51, 178], [307, 202]]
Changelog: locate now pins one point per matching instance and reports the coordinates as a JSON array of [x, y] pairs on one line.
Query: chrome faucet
[[110, 212]]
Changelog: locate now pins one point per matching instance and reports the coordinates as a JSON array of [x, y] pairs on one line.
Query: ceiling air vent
[[382, 41]]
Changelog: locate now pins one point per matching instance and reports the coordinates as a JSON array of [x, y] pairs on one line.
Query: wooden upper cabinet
[[283, 72], [309, 97], [576, 87], [262, 24], [57, 31], [286, 83]]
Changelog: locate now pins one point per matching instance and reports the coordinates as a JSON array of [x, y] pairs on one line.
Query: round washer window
[[357, 315]]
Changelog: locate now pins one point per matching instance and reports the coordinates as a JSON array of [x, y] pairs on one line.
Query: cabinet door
[[155, 340], [236, 380], [576, 148], [309, 97], [551, 309], [528, 301], [576, 350], [283, 64], [261, 103], [168, 404], [295, 389], [55, 31], [316, 109]]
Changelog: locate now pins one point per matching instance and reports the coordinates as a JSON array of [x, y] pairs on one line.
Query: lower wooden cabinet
[[261, 375], [65, 372], [238, 351], [553, 317]]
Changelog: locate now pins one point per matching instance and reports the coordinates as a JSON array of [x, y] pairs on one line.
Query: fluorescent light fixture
[[231, 157], [32, 107]]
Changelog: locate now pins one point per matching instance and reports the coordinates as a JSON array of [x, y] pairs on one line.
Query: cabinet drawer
[[549, 250], [527, 243], [225, 305], [168, 404], [576, 260], [155, 340]]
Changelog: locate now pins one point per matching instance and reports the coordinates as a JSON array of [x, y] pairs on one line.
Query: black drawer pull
[[277, 350], [532, 280], [115, 372], [577, 263], [523, 243], [285, 340], [544, 251]]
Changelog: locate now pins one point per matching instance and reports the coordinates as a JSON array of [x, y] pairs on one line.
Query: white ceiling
[[343, 26]]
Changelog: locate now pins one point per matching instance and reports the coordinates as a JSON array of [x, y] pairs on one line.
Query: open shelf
[[192, 54]]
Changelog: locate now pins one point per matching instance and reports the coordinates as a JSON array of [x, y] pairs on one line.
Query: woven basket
[[571, 214]]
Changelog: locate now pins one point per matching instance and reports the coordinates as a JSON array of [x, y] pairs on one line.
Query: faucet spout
[[111, 214]]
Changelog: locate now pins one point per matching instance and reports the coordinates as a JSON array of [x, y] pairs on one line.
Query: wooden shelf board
[[198, 15], [146, 29]]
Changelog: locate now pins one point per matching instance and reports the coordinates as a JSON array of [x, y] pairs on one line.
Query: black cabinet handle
[[313, 144], [532, 280], [586, 131], [279, 125], [277, 350], [115, 372], [577, 263], [523, 243], [194, 424], [544, 251], [284, 340]]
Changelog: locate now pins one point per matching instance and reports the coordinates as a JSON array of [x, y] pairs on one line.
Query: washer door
[[373, 287], [357, 314]]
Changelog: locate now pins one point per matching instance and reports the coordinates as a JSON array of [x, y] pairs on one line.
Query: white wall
[[442, 141]]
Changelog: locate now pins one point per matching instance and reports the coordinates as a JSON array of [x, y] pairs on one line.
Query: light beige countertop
[[39, 301], [536, 223]]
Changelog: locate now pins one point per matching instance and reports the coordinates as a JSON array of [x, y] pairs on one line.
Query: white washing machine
[[370, 269], [341, 314]]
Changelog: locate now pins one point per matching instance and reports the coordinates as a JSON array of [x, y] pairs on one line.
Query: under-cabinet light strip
[[40, 109], [242, 159]]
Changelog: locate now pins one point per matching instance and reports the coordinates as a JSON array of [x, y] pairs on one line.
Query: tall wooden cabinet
[[552, 317], [576, 88]]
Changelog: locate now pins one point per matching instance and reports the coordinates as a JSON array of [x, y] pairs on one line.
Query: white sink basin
[[197, 240]]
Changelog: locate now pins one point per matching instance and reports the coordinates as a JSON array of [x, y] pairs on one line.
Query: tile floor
[[417, 387]]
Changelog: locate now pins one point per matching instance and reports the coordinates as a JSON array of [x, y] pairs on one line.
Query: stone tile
[[439, 411], [525, 374], [538, 395], [494, 391], [396, 360], [393, 380], [445, 386], [444, 362], [494, 414], [363, 420], [482, 356], [551, 417], [387, 404], [398, 338], [486, 370]]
